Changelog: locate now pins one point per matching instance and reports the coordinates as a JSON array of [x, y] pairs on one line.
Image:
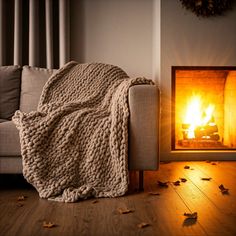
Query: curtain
[[34, 32]]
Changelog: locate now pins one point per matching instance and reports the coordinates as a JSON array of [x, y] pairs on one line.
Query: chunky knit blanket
[[75, 145]]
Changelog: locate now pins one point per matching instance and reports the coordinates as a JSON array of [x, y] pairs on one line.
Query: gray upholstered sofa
[[20, 89]]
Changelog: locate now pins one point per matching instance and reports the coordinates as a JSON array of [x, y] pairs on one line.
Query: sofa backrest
[[32, 81], [10, 81]]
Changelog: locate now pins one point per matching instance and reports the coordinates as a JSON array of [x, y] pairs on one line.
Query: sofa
[[20, 89]]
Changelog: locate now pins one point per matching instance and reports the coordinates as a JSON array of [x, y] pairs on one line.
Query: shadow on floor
[[8, 181]]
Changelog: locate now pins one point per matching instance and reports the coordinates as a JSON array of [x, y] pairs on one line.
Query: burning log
[[208, 129], [215, 137], [207, 132], [199, 128]]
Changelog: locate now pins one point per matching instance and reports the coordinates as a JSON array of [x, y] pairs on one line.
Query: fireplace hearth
[[203, 108]]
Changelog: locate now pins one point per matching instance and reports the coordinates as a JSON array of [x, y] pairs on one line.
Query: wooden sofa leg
[[141, 180]]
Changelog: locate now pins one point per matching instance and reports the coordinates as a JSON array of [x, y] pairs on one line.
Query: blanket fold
[[76, 144]]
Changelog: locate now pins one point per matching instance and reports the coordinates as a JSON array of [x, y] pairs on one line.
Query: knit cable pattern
[[76, 144]]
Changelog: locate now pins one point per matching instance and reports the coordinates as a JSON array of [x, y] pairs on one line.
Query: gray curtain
[[34, 32]]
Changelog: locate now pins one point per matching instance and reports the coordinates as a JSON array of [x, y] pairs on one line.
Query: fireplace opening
[[203, 108]]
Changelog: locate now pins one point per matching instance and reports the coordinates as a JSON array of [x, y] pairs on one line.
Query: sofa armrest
[[144, 127]]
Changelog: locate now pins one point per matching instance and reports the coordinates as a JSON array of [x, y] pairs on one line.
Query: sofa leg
[[141, 180]]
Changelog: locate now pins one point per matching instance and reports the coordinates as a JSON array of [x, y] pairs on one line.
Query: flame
[[197, 115]]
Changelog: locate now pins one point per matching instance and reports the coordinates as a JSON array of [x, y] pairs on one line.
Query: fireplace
[[203, 108]]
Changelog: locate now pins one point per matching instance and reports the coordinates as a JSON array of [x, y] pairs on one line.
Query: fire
[[197, 117]]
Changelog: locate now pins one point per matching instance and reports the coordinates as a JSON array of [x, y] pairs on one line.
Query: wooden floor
[[163, 213]]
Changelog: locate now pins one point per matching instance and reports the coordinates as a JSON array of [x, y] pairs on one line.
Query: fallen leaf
[[124, 210], [154, 193], [213, 163], [187, 167], [189, 222], [48, 224], [21, 198], [143, 225], [176, 183], [207, 179], [191, 215], [183, 179], [162, 184], [95, 201], [223, 189]]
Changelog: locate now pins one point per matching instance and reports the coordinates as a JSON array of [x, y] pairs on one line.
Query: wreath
[[207, 8]]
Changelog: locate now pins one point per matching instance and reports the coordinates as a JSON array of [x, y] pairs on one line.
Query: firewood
[[210, 129], [215, 137], [207, 130]]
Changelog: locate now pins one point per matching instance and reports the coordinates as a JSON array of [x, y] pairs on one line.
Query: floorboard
[[163, 212], [205, 198]]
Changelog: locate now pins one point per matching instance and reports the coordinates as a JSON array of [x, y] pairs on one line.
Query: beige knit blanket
[[76, 144]]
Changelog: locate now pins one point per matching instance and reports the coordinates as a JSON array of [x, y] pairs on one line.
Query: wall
[[148, 37], [187, 40], [118, 32]]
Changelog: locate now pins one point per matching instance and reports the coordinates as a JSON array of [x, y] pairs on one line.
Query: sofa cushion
[[32, 82], [9, 90], [9, 139], [3, 120]]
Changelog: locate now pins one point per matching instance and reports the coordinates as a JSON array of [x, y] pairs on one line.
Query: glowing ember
[[199, 120]]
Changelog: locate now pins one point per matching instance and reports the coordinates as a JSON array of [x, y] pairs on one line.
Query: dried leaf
[[183, 179], [21, 198], [176, 183], [213, 163], [95, 201], [207, 179], [162, 184], [191, 215], [154, 193], [143, 225], [48, 224], [223, 189], [187, 167], [124, 210]]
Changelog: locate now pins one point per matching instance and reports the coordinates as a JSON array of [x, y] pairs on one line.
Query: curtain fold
[[17, 32], [49, 33], [63, 32], [1, 34], [34, 32]]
